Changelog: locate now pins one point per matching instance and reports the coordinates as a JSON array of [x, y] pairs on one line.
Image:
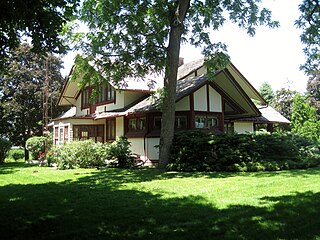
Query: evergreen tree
[[267, 92], [21, 94]]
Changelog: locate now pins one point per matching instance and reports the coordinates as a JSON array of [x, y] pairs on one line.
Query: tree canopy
[[283, 101], [21, 94], [41, 21], [304, 118], [309, 22], [131, 38]]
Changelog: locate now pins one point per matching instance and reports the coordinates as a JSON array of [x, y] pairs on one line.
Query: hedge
[[259, 151]]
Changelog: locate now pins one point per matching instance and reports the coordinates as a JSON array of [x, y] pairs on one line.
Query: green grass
[[44, 203]]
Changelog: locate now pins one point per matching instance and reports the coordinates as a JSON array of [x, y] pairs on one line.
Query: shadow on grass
[[97, 207]]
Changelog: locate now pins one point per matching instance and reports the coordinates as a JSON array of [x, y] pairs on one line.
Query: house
[[226, 103]]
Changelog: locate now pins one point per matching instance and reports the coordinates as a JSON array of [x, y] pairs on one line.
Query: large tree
[[283, 102], [132, 38], [21, 93], [40, 21], [309, 21]]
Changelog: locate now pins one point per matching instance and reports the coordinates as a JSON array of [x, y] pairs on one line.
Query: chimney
[[181, 61]]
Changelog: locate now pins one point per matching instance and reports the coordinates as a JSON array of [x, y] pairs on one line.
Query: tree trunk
[[170, 82]]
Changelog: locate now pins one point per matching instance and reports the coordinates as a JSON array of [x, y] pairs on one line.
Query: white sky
[[272, 55]]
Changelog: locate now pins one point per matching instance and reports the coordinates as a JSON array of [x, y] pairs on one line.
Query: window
[[85, 97], [157, 122], [208, 122], [137, 124], [111, 129], [229, 128], [56, 135], [66, 133], [181, 122], [103, 94], [85, 132]]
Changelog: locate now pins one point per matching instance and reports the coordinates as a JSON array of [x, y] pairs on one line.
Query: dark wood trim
[[208, 97], [242, 92], [192, 115], [234, 105], [89, 125]]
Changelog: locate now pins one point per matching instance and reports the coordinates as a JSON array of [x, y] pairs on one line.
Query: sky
[[272, 55]]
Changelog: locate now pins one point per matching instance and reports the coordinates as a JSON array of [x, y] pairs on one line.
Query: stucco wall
[[183, 104], [119, 126], [152, 151], [137, 145], [243, 127], [215, 100], [200, 99]]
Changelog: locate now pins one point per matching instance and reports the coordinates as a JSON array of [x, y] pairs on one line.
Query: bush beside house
[[199, 151], [88, 154]]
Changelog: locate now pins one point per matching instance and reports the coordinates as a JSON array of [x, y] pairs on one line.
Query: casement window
[[86, 132], [229, 128], [111, 129], [180, 122], [56, 135], [137, 124], [207, 122], [85, 99], [102, 94]]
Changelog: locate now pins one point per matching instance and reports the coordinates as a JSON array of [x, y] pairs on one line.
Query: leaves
[[21, 94]]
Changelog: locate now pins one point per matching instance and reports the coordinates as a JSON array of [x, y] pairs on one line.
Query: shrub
[[36, 145], [200, 151], [120, 151], [83, 154], [5, 146], [17, 154]]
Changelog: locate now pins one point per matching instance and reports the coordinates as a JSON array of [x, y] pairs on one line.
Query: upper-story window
[[103, 94]]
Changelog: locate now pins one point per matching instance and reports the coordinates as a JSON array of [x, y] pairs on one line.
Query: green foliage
[[36, 145], [267, 92], [5, 146], [309, 22], [283, 102], [42, 21], [83, 154], [199, 151], [21, 94], [304, 119], [88, 154], [120, 150], [16, 154]]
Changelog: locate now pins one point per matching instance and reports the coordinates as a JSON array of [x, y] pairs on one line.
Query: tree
[[309, 21], [21, 94], [267, 92], [42, 21], [304, 119], [313, 88], [283, 101], [133, 38]]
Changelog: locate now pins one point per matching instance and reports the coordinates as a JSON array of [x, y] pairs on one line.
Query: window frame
[[82, 137]]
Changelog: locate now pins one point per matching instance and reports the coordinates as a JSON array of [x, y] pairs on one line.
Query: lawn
[[45, 203]]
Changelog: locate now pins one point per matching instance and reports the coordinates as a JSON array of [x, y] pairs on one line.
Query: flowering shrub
[[36, 145]]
